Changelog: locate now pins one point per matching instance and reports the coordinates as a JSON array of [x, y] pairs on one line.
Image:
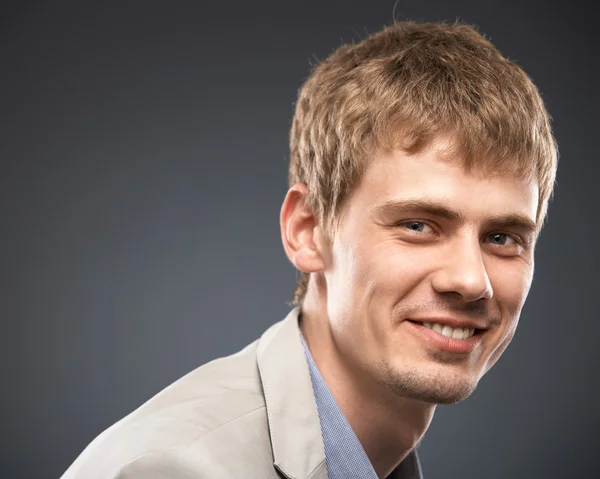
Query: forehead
[[436, 175]]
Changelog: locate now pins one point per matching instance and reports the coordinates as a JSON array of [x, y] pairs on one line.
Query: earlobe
[[300, 231]]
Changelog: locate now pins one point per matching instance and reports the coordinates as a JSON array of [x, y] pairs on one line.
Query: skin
[[418, 237]]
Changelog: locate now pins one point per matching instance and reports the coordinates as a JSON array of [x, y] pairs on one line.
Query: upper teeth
[[449, 331]]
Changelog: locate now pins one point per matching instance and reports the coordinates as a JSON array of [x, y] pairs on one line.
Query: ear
[[300, 232]]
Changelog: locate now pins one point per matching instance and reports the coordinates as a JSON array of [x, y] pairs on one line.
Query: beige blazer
[[249, 415]]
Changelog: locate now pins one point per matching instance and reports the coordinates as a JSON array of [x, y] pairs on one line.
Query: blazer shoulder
[[222, 395], [195, 464], [161, 465]]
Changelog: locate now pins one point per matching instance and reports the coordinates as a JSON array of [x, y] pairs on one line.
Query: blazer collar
[[292, 414]]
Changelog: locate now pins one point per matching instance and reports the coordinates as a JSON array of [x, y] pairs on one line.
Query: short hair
[[400, 88]]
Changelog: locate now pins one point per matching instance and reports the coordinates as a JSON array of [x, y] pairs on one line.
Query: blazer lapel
[[292, 414]]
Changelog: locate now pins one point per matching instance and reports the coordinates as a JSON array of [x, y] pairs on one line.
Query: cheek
[[510, 289], [370, 277], [396, 269], [347, 278], [511, 283], [506, 338]]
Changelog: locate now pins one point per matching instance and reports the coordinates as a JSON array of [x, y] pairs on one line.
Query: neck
[[387, 425]]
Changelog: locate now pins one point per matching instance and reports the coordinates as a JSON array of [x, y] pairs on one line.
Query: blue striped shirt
[[345, 457]]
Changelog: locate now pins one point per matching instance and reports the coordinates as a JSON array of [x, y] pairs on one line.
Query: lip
[[455, 323], [439, 341]]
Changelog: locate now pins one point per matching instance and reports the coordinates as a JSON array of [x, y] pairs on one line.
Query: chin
[[431, 387]]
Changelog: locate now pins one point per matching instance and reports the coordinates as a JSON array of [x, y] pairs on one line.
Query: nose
[[463, 272]]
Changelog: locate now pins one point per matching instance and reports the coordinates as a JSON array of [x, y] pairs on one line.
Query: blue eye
[[415, 226], [500, 239]]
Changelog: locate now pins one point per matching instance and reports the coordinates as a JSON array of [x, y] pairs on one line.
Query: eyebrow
[[431, 208]]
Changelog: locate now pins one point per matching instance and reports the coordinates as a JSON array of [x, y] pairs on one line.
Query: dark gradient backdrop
[[143, 153]]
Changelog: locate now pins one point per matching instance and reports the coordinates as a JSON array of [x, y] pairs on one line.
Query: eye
[[416, 226], [501, 239]]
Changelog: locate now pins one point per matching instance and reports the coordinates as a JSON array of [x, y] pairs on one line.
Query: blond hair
[[401, 87]]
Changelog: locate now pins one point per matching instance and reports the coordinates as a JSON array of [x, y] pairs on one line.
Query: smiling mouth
[[449, 331]]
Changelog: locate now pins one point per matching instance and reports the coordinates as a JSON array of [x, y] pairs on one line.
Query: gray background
[[143, 153]]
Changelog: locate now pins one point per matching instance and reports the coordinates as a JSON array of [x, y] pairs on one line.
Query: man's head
[[422, 162]]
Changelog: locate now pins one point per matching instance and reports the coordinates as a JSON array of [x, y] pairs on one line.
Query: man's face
[[421, 241]]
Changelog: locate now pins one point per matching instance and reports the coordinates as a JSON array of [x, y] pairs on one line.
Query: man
[[422, 163]]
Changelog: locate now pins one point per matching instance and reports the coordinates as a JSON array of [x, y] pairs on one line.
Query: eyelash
[[517, 239]]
